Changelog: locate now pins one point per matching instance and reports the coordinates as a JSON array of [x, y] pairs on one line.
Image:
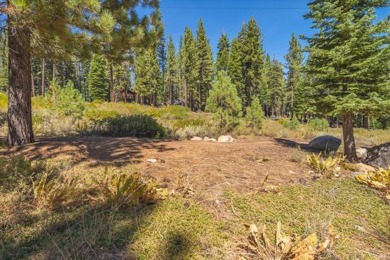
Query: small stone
[[360, 228], [226, 139], [196, 138], [151, 160], [361, 153]]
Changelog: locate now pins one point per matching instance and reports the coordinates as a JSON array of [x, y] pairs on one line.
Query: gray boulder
[[379, 156], [326, 143]]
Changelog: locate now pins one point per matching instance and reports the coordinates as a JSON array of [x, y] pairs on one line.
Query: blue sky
[[277, 19]]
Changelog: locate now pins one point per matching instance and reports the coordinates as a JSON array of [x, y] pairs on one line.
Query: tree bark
[[19, 93], [43, 77], [349, 139], [112, 94]]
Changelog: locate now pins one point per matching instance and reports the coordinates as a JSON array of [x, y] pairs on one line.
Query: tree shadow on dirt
[[99, 150], [293, 144]]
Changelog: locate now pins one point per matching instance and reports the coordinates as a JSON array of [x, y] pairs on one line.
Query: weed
[[56, 193], [326, 167]]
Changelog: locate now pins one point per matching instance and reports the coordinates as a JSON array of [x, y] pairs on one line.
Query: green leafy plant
[[55, 193], [379, 180], [326, 167], [121, 189]]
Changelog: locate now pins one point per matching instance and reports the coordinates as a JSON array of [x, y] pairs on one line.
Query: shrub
[[379, 179], [292, 124], [328, 167], [319, 124], [68, 100], [56, 193], [118, 190], [3, 101], [254, 115], [224, 102], [98, 114], [131, 125]]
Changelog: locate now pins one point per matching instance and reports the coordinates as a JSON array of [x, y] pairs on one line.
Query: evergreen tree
[[224, 102], [97, 79], [172, 72], [222, 63], [304, 103], [55, 29], [235, 68], [346, 61], [251, 57], [161, 57], [276, 87], [147, 76], [189, 66], [204, 66], [294, 60]]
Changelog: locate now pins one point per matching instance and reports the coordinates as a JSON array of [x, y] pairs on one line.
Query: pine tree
[[251, 57], [204, 66], [147, 76], [222, 63], [346, 61], [172, 72], [276, 87], [189, 66], [294, 60], [55, 29], [224, 102], [235, 68], [162, 57], [97, 79]]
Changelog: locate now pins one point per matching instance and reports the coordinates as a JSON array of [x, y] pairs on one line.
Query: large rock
[[225, 139], [361, 153], [379, 156], [326, 143]]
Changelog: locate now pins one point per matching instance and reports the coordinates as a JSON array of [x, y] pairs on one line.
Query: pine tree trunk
[[292, 102], [54, 71], [349, 139], [43, 77], [32, 82], [112, 94], [19, 93], [171, 93], [186, 94]]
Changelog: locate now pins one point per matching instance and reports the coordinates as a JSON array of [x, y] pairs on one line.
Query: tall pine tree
[[97, 79], [294, 60], [189, 66], [204, 66], [222, 62], [346, 60], [172, 74]]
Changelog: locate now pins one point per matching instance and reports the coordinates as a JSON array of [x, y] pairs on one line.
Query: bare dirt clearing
[[209, 168]]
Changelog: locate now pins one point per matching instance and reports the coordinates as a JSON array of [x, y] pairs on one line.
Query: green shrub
[[254, 115], [130, 125], [292, 124], [170, 112], [97, 114], [319, 124], [68, 100]]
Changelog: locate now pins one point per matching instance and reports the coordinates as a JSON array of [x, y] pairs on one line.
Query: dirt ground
[[206, 169]]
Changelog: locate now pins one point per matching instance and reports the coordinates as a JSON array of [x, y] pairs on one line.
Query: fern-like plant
[[326, 167], [120, 189], [379, 179], [55, 194]]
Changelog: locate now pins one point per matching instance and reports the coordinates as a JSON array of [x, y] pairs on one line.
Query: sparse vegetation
[[327, 167]]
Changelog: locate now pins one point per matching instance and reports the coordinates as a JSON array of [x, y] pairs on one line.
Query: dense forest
[[342, 72]]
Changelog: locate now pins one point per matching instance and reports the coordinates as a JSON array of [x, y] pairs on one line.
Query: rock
[[225, 139], [206, 139], [379, 156], [196, 138], [151, 160], [361, 153], [364, 168], [325, 143]]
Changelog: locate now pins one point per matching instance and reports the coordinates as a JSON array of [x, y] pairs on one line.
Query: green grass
[[303, 210], [179, 228]]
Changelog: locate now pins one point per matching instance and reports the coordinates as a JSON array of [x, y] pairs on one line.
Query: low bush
[[56, 193], [3, 101], [130, 125], [119, 189], [292, 124], [254, 115], [319, 124], [326, 167], [379, 179]]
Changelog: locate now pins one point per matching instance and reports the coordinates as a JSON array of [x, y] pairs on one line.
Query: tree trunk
[[292, 102], [54, 71], [19, 93], [112, 94], [43, 77], [349, 139], [186, 94], [171, 93], [32, 82]]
